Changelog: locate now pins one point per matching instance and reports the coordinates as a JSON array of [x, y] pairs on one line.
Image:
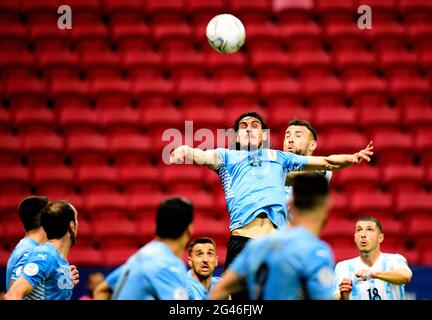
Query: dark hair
[[56, 217], [29, 211], [370, 218], [304, 123], [250, 114], [309, 189], [173, 217], [200, 241]]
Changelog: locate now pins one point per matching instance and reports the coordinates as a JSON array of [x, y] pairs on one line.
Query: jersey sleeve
[[222, 155], [37, 268], [17, 267], [320, 279], [293, 162], [340, 272], [398, 261], [113, 277]]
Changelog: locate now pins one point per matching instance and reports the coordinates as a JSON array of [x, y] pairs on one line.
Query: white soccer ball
[[226, 33]]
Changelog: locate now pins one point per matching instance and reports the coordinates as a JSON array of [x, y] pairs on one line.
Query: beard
[[72, 238]]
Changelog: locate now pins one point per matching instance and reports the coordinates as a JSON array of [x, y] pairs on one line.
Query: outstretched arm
[[397, 276], [339, 161], [183, 154]]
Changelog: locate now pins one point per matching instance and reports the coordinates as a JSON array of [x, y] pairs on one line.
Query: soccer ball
[[225, 33]]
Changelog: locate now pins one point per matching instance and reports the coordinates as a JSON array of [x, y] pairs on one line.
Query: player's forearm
[[330, 163], [219, 294], [395, 277], [13, 295]]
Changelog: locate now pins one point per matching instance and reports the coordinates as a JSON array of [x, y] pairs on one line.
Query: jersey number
[[374, 294]]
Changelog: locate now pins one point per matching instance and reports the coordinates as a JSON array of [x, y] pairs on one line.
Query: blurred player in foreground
[[29, 212], [46, 273], [157, 271], [203, 261], [104, 290], [292, 263], [373, 275]]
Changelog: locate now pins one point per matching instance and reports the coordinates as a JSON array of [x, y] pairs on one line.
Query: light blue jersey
[[289, 264], [372, 289], [48, 273], [289, 190], [195, 288], [154, 272], [113, 277], [253, 182], [17, 258]]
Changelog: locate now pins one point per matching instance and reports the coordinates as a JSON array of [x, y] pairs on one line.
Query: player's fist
[[178, 155], [364, 274], [74, 274], [345, 287]]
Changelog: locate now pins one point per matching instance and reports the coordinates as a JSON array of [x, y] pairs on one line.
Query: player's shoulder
[[347, 262], [393, 257]]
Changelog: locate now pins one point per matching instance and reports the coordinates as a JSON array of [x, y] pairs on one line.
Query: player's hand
[[74, 275], [178, 155], [345, 287], [364, 274], [363, 154]]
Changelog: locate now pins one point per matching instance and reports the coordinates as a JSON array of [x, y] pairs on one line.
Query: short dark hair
[[373, 219], [56, 217], [304, 123], [29, 211], [309, 189], [200, 240], [173, 217], [250, 114]]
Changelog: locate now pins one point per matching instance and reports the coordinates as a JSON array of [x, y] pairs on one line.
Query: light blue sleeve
[[293, 162], [222, 154], [18, 265], [320, 278], [37, 268], [113, 277]]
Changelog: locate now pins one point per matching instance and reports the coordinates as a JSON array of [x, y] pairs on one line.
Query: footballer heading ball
[[225, 33]]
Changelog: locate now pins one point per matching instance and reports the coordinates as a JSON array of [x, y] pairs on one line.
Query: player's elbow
[[406, 277]]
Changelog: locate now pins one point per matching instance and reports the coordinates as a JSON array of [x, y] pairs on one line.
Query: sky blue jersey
[[290, 264], [195, 288], [253, 182], [48, 273], [112, 278], [154, 272], [17, 258]]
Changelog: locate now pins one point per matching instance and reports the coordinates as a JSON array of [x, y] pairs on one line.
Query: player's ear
[[313, 145], [189, 261], [381, 238]]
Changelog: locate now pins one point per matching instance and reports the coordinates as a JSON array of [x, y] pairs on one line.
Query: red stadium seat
[[243, 6], [53, 177], [338, 206], [403, 177], [392, 146], [139, 178], [423, 144], [113, 228], [14, 179], [279, 87], [417, 5], [378, 116], [368, 203], [335, 5], [43, 148], [31, 118], [419, 225], [9, 203], [146, 203], [217, 229], [412, 202], [147, 87], [186, 176], [341, 141], [120, 120], [68, 87], [344, 252], [85, 256], [10, 149], [361, 178], [334, 116], [280, 115], [203, 201], [96, 178], [417, 115], [213, 118], [117, 256], [130, 148], [87, 148], [338, 228]]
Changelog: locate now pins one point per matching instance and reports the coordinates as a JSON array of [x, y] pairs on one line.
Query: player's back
[[48, 273], [290, 264], [153, 273], [17, 259]]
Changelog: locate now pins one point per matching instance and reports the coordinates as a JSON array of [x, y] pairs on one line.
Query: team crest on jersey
[[180, 294], [325, 276], [272, 155], [31, 269], [18, 270]]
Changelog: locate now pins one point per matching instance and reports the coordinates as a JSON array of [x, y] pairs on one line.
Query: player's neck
[[175, 246], [310, 222], [370, 258], [62, 245], [37, 235]]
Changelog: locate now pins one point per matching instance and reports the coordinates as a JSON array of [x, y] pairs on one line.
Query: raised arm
[[339, 161], [186, 154], [230, 283]]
